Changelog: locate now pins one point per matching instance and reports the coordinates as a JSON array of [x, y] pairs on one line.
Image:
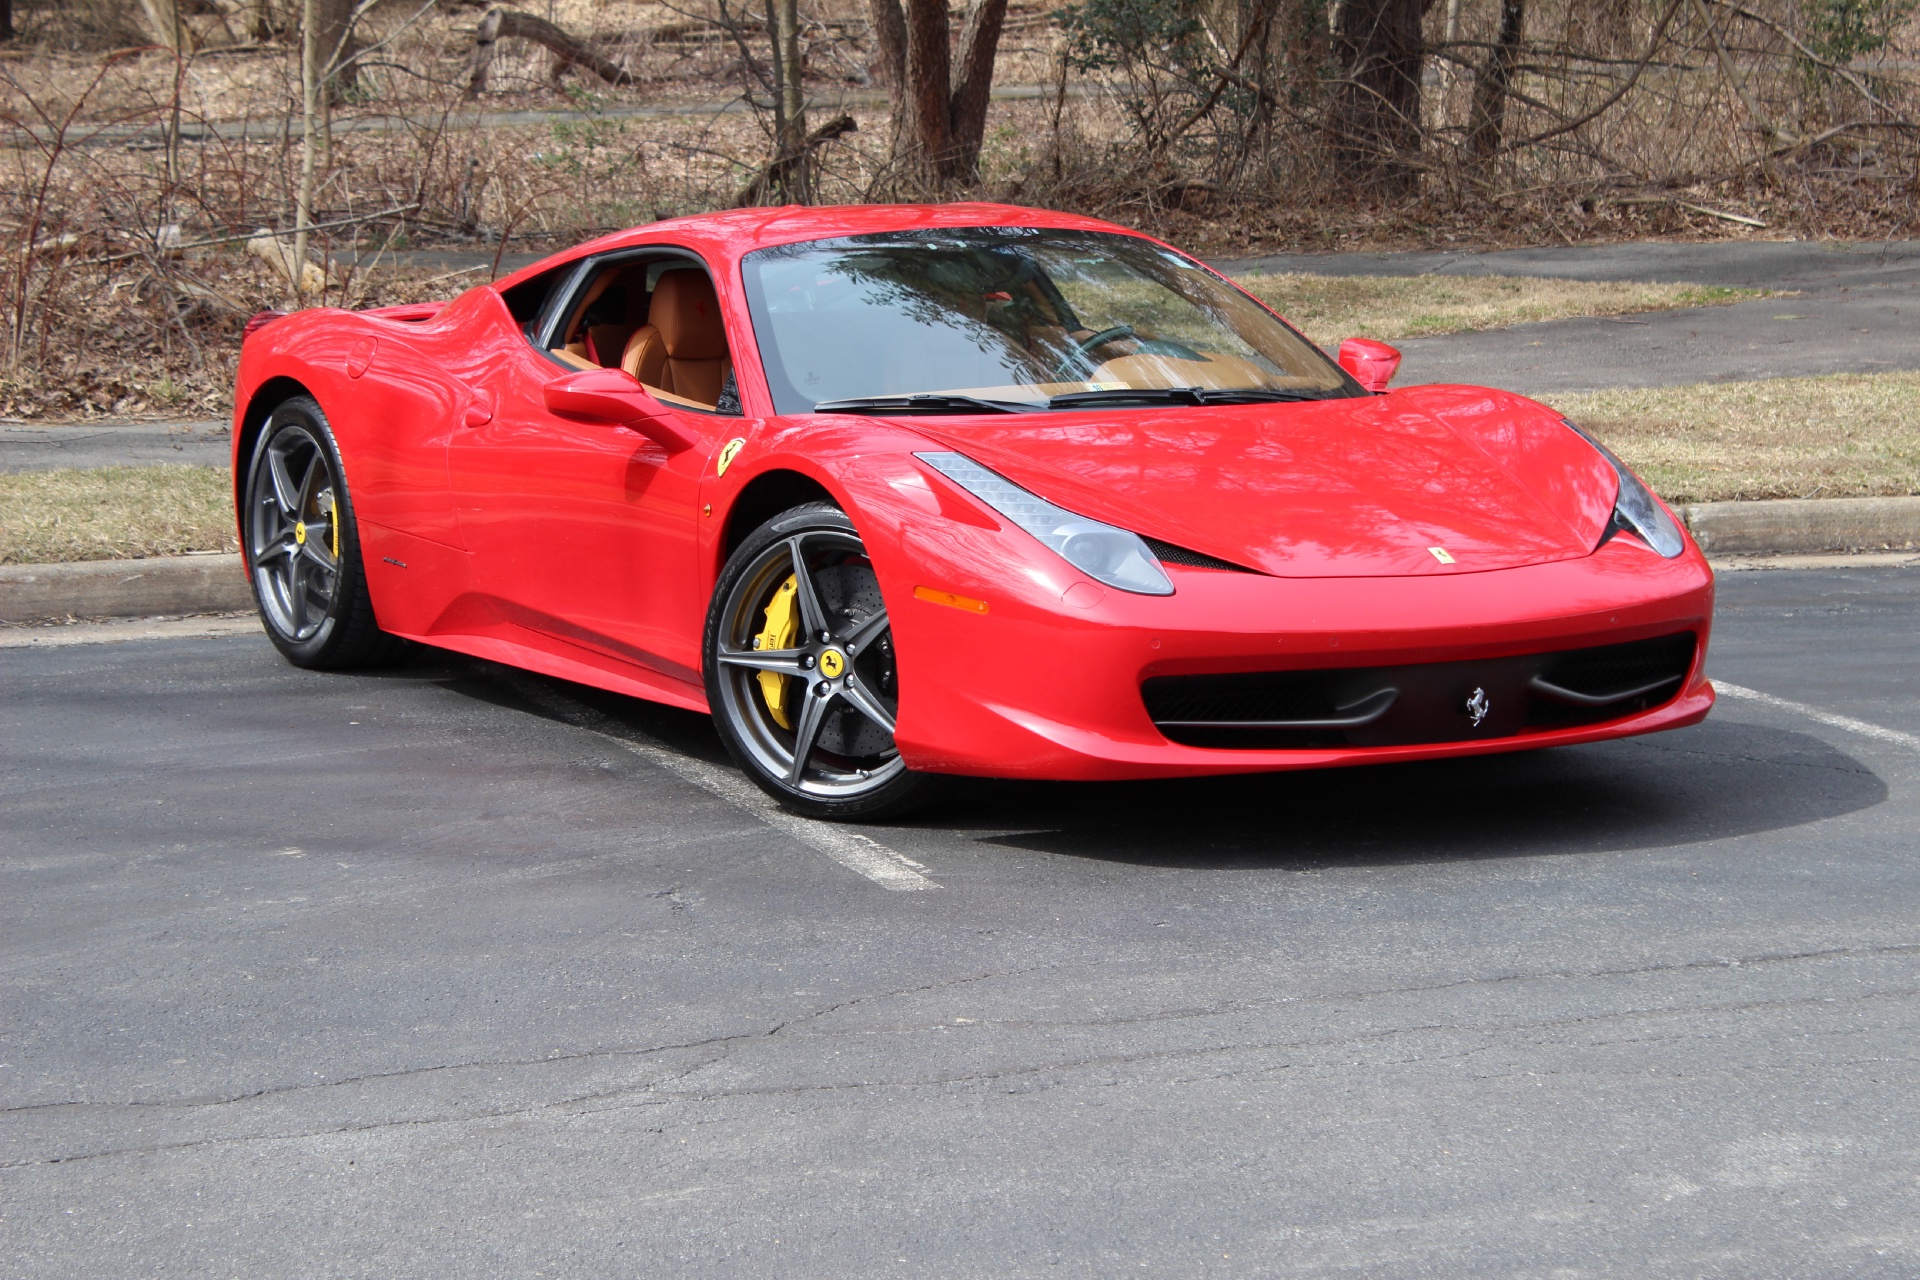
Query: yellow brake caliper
[[783, 628]]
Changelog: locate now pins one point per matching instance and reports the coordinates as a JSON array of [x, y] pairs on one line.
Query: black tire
[[831, 686], [303, 546]]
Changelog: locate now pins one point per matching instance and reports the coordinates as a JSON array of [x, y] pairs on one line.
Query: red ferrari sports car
[[904, 491]]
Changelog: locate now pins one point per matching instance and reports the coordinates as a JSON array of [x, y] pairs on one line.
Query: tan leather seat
[[682, 349]]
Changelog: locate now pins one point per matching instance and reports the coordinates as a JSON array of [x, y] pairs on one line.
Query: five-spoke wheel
[[800, 669], [303, 547]]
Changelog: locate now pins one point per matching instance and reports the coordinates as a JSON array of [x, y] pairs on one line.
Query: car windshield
[[985, 318]]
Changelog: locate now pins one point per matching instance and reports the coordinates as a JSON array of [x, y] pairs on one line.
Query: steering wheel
[[1089, 343]]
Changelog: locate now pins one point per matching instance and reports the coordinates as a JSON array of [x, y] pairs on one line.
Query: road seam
[[854, 850], [1864, 728]]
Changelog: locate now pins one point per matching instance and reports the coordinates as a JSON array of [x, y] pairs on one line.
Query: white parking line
[[888, 868], [1861, 727]]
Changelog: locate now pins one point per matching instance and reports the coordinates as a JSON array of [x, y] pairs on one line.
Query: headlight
[[1637, 509], [1113, 556]]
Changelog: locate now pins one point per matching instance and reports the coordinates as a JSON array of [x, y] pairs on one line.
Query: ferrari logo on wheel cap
[[833, 664], [1478, 705], [300, 533]]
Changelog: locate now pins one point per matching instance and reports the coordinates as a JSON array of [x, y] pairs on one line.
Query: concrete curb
[[123, 588], [1804, 526], [176, 585]]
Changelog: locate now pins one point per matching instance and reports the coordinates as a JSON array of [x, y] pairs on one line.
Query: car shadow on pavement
[[1719, 779], [1710, 782]]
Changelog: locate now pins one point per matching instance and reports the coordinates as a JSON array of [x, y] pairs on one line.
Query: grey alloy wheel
[[801, 672]]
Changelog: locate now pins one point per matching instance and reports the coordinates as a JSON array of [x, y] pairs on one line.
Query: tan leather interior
[[682, 349], [605, 342]]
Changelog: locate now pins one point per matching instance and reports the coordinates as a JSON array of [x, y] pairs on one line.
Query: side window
[[528, 299], [604, 316], [659, 320]]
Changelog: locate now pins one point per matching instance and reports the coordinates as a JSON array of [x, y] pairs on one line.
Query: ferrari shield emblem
[[1478, 706], [728, 452], [1441, 554]]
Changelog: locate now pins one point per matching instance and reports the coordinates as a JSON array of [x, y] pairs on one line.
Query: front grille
[[1431, 702]]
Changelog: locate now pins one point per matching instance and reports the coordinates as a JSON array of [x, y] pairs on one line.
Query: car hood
[[1336, 488]]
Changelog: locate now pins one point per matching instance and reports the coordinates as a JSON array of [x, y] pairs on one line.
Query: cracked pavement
[[411, 974]]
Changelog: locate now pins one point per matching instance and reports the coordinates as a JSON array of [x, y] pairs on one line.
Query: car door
[[583, 534]]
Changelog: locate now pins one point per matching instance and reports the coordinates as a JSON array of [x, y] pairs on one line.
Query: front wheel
[[800, 670]]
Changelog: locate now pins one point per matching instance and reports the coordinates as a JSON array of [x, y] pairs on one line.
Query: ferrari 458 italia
[[897, 492]]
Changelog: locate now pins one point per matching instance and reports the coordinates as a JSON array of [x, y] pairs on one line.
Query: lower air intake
[[1431, 702]]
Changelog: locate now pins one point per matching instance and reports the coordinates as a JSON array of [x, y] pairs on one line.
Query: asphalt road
[[54, 446], [452, 972], [1854, 307]]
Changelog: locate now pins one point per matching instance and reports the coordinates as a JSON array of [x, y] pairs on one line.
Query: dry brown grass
[[114, 513], [1331, 308], [1846, 435]]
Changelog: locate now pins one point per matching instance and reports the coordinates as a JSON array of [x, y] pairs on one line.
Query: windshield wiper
[[932, 403], [1175, 395]]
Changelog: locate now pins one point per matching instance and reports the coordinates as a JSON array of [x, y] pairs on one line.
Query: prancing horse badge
[[1478, 706]]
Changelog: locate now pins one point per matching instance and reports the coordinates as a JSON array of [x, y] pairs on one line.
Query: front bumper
[[1046, 684]]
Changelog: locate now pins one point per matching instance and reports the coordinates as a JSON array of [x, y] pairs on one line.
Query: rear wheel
[[800, 670], [304, 547]]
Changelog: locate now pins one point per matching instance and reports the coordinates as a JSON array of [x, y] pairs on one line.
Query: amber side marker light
[[949, 599]]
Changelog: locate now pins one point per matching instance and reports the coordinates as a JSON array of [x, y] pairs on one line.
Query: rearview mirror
[[615, 397], [1371, 363]]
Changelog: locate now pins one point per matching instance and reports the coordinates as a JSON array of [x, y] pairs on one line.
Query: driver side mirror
[[1371, 363], [615, 397]]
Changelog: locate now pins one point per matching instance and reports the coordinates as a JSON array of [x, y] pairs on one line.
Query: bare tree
[[164, 22], [791, 154], [940, 109], [1487, 127], [1376, 118], [889, 27], [338, 47]]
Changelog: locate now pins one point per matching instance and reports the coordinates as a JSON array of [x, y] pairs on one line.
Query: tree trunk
[[1487, 129], [311, 67], [337, 47], [890, 49], [939, 110], [929, 87], [791, 153], [1376, 118], [6, 19], [164, 22], [979, 43]]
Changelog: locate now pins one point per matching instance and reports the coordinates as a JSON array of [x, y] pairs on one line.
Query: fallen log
[[504, 24], [773, 175]]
